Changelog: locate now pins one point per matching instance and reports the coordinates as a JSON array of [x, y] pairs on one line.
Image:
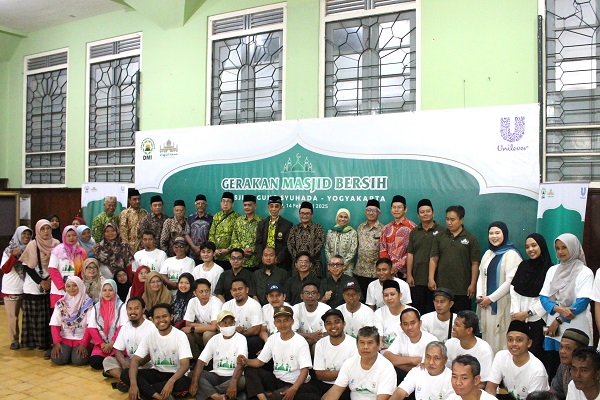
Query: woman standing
[[91, 278], [55, 224], [185, 292], [36, 288], [69, 323], [84, 235], [12, 282], [525, 290], [66, 260], [111, 252], [496, 271], [565, 296], [342, 240]]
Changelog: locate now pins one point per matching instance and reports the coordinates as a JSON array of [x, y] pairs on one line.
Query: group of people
[[236, 306]]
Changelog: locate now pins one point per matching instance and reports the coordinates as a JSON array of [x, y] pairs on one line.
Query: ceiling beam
[[166, 14]]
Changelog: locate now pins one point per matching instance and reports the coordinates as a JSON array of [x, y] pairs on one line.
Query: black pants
[[422, 299], [151, 381], [461, 302], [324, 387], [363, 282], [255, 345], [260, 381], [537, 340]]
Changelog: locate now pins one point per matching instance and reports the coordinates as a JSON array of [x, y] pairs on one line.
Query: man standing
[[394, 237], [155, 220], [222, 229], [175, 227], [244, 232], [295, 283], [368, 375], [571, 340], [439, 322], [168, 349], [149, 256], [369, 233], [332, 286], [269, 273], [130, 219], [466, 379], [521, 372], [455, 256], [199, 223], [274, 232], [356, 314], [331, 352], [223, 288], [106, 216], [307, 236], [418, 254]]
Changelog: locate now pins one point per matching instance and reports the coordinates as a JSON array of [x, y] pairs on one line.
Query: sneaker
[[15, 345]]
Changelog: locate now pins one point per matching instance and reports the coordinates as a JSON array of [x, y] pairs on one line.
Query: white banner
[[93, 191], [499, 146], [570, 195]]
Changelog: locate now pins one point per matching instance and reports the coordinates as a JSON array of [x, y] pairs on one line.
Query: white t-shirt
[[151, 259], [330, 358], [173, 268], [310, 322], [11, 282], [289, 356], [203, 314], [367, 384], [75, 333], [375, 293], [575, 394], [165, 351], [248, 315], [388, 325], [430, 323], [484, 396], [269, 321], [65, 268], [519, 381], [224, 353], [482, 351], [364, 316], [427, 387], [402, 346], [212, 276], [129, 338]]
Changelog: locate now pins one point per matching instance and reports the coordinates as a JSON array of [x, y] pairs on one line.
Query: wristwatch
[[530, 313]]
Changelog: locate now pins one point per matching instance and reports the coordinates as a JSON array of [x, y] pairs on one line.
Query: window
[[370, 57], [114, 70], [45, 118], [572, 134], [246, 66]]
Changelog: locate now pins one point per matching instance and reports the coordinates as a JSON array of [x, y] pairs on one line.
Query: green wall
[[471, 54]]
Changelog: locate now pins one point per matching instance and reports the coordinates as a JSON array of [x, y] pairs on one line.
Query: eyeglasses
[[371, 210], [303, 262], [305, 214], [310, 293], [236, 258], [337, 265], [178, 246]]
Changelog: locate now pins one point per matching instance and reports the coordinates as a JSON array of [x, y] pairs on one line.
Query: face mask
[[227, 330]]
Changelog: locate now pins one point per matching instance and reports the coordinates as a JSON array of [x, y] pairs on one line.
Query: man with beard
[[268, 274], [199, 223], [129, 338], [274, 232], [168, 350], [331, 352]]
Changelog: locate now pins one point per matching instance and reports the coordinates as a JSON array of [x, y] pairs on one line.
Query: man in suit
[[274, 232]]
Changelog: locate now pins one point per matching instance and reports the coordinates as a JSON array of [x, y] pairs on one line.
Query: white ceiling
[[32, 15]]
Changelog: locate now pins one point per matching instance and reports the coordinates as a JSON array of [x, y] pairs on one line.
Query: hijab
[[55, 232], [345, 228], [153, 298], [15, 241], [494, 270], [108, 313], [92, 286], [45, 246], [122, 288], [73, 253], [530, 275], [137, 286], [113, 253], [564, 278], [181, 300], [80, 220], [87, 246], [73, 309]]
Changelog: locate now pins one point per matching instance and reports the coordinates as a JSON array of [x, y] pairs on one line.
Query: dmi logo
[[147, 148]]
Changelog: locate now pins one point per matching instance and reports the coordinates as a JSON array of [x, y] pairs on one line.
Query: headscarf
[[80, 220], [181, 300], [153, 298], [92, 286], [74, 253], [122, 288], [107, 313], [563, 281], [87, 246], [73, 309], [137, 286], [494, 270], [530, 275], [55, 232], [30, 257], [342, 229], [113, 253], [15, 241]]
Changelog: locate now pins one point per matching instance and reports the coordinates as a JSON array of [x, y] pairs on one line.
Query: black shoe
[[122, 387], [15, 345], [48, 354], [106, 374]]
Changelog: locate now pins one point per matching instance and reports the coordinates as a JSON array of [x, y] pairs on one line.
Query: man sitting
[[466, 380], [383, 270], [439, 322], [586, 375], [308, 314], [571, 339], [356, 314]]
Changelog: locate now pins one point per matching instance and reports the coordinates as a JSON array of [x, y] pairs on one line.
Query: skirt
[[36, 322]]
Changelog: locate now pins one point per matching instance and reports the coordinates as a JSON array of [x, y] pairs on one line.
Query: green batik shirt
[[221, 231], [271, 233], [244, 235], [98, 224]]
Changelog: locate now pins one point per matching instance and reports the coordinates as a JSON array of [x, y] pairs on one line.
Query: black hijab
[[122, 288], [530, 275], [56, 233]]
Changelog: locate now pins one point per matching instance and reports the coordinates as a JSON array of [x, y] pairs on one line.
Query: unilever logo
[[512, 136]]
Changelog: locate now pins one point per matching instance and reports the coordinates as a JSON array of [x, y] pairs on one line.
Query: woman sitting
[[139, 282], [155, 292], [104, 323], [69, 324], [123, 284], [185, 292]]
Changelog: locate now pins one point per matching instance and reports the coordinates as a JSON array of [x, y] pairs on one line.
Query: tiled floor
[[26, 375]]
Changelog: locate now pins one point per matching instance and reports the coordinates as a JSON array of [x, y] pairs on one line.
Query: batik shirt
[[221, 231], [311, 239], [368, 249], [98, 225], [199, 227], [172, 229], [394, 242], [129, 227], [153, 222], [244, 235]]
